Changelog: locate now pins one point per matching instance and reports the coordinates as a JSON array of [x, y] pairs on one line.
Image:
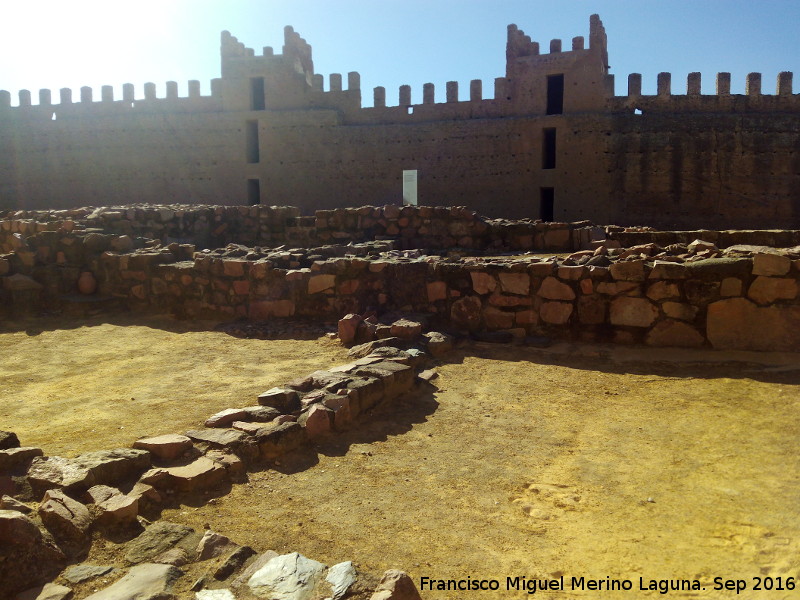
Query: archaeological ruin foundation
[[553, 213], [400, 284]]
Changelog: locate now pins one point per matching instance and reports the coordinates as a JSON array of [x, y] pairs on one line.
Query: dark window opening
[[252, 148], [253, 191], [257, 93], [546, 203], [555, 94], [549, 148]]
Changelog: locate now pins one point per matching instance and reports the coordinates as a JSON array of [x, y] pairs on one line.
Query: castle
[[553, 142]]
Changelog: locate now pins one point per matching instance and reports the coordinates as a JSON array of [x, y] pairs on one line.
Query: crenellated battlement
[[550, 138], [85, 101], [754, 99], [293, 84]]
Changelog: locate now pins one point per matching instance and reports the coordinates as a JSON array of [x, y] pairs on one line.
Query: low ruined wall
[[742, 303], [744, 297], [271, 226], [774, 238]]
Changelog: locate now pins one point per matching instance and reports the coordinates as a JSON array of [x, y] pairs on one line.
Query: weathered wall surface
[[688, 170], [123, 157]]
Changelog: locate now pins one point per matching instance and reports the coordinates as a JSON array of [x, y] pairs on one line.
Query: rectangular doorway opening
[[252, 148], [555, 94], [547, 199], [253, 191], [549, 148], [257, 101]]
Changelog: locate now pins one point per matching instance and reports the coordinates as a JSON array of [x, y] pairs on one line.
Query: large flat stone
[[397, 378], [674, 333], [225, 417], [143, 582], [771, 264], [55, 472], [158, 538], [68, 520], [232, 440], [739, 324], [167, 447], [110, 467], [634, 312], [553, 289], [16, 459], [84, 572], [556, 313], [515, 283], [766, 290], [200, 474], [287, 577], [275, 441]]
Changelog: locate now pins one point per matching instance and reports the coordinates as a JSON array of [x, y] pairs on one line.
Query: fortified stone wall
[[550, 140]]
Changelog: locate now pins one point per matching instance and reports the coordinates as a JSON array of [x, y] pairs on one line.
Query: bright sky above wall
[[58, 43]]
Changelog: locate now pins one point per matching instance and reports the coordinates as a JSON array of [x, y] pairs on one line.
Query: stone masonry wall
[[271, 226], [744, 297]]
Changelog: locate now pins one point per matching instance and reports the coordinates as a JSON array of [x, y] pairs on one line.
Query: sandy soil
[[574, 461], [72, 386]]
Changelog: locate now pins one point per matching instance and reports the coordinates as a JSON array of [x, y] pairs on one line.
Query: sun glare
[[88, 42]]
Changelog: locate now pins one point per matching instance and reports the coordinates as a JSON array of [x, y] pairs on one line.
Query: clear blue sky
[[71, 43]]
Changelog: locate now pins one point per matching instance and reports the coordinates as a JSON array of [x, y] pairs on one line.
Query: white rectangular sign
[[410, 187]]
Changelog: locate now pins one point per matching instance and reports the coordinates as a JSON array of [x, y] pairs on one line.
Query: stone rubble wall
[[774, 238], [727, 303], [272, 226], [745, 297]]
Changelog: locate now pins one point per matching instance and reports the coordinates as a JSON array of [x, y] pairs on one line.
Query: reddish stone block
[[739, 324], [674, 333], [515, 283], [556, 313], [771, 264], [466, 313], [241, 287], [482, 282], [766, 290], [437, 290], [635, 312], [498, 319], [553, 289], [233, 268]]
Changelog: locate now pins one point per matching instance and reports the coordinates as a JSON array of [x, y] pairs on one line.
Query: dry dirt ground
[[72, 386], [576, 460]]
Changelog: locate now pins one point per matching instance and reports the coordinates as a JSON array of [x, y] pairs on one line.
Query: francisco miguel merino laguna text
[[532, 585]]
